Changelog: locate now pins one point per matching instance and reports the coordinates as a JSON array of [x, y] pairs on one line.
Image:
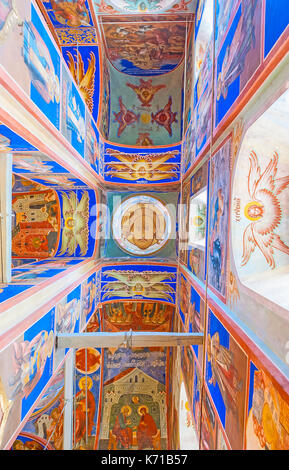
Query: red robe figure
[[146, 430]]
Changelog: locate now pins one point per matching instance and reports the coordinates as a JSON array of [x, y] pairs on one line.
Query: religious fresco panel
[[267, 425], [26, 367], [239, 57], [226, 376], [219, 218]]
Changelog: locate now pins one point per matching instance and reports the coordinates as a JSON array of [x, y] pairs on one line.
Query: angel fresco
[[145, 91], [67, 316], [71, 12], [146, 284], [84, 79], [124, 117], [165, 117], [264, 210], [38, 60], [151, 167], [75, 232], [29, 360], [235, 57], [224, 372], [203, 121]]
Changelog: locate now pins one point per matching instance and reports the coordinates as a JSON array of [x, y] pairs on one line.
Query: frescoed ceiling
[[127, 58]]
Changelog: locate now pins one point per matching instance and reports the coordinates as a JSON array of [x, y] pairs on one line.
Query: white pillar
[[5, 216], [68, 400]]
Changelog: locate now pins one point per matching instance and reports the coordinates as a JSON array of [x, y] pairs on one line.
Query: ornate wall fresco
[[226, 379], [44, 429], [136, 418], [53, 223], [239, 56], [243, 401], [41, 74], [260, 203], [151, 105], [31, 372], [203, 31], [219, 217], [37, 59], [142, 48]]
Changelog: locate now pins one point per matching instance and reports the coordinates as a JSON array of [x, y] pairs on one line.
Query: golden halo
[[142, 406], [270, 430], [198, 221], [247, 210], [126, 407], [69, 223], [83, 381]]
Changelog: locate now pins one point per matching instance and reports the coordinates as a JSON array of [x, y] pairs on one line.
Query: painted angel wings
[[75, 231], [264, 210], [84, 79]]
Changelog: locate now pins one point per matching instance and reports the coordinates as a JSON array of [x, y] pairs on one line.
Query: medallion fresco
[[141, 225]]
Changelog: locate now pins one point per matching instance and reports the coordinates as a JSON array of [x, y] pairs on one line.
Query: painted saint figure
[[224, 372], [122, 430], [146, 430], [84, 409]]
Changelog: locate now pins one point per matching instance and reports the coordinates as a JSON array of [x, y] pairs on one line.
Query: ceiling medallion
[[141, 225]]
